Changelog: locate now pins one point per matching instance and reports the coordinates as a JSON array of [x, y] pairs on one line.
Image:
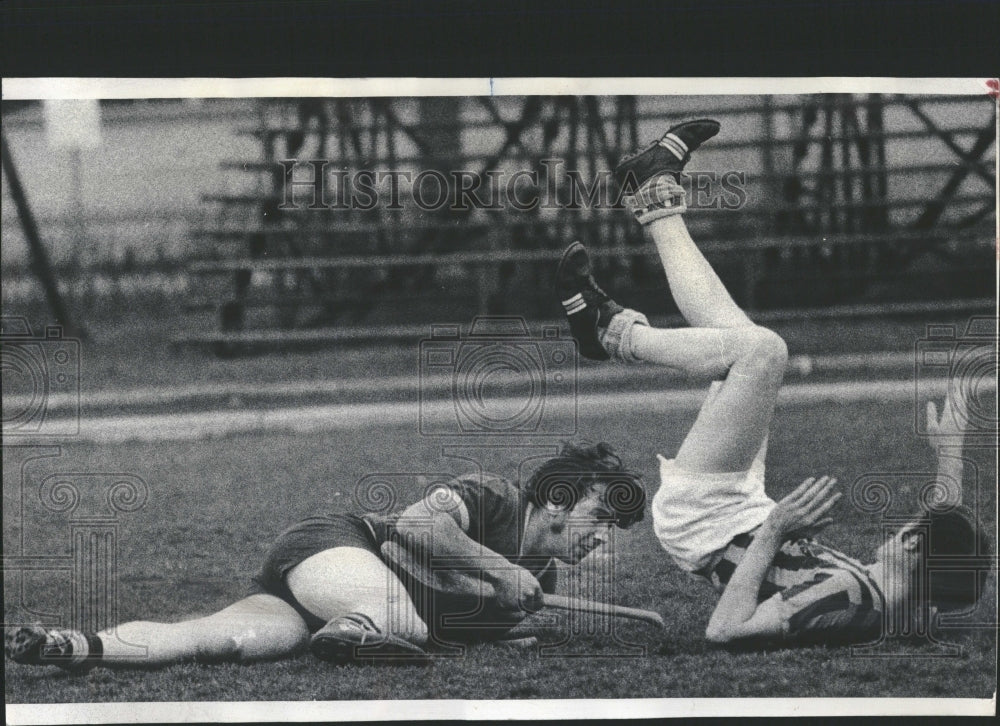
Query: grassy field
[[214, 505], [121, 354]]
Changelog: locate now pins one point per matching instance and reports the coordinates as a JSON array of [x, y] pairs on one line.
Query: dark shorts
[[300, 542], [316, 534]]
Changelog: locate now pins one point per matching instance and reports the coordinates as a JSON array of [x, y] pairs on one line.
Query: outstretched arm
[[947, 435], [737, 614]]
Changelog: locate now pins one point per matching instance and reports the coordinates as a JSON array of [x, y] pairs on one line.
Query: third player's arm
[[947, 434]]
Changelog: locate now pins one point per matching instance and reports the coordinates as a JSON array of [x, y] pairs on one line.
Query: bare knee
[[248, 638], [226, 649], [251, 646], [771, 347], [764, 349], [419, 632]]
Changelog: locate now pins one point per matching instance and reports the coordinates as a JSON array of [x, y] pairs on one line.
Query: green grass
[[214, 505]]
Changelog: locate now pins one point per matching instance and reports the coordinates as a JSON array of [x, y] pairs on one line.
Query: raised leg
[[696, 288], [724, 343]]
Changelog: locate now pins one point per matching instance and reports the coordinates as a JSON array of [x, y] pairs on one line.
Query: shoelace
[[368, 629], [56, 644]]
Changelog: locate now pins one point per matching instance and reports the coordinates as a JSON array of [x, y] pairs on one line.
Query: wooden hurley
[[455, 582], [580, 605]]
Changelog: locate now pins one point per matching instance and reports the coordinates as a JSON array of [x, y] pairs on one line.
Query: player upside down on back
[[326, 583], [711, 513]]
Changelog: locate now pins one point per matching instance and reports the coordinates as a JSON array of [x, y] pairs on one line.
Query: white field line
[[314, 419], [435, 383]]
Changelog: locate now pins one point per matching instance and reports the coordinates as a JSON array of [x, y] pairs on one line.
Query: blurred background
[[164, 218]]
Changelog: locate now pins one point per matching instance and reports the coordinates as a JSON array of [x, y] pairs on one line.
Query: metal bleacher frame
[[275, 277]]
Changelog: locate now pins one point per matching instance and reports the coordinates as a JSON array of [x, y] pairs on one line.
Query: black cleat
[[587, 306], [34, 645], [25, 644], [668, 155], [354, 638]]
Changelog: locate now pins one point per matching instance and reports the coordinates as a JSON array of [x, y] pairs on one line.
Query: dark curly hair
[[566, 478], [958, 560]]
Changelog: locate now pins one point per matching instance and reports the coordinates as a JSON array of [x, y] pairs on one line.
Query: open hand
[[803, 511]]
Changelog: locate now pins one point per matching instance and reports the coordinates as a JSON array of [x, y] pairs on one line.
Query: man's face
[[899, 546], [572, 535]]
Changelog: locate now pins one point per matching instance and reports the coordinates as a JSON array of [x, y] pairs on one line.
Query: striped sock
[[658, 197], [72, 649]]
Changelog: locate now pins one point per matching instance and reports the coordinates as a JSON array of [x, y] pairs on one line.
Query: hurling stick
[[463, 583], [579, 605]]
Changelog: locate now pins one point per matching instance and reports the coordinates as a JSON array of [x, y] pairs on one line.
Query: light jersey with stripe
[[822, 593]]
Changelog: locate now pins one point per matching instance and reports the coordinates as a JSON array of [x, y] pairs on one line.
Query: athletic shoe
[[587, 306], [354, 638], [668, 155], [34, 645]]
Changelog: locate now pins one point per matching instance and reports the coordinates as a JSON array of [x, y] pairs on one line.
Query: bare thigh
[[734, 420], [731, 426], [341, 580]]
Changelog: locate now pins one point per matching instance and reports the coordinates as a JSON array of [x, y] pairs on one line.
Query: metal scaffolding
[[849, 200]]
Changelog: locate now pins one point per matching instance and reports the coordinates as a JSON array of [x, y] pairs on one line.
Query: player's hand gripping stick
[[456, 582]]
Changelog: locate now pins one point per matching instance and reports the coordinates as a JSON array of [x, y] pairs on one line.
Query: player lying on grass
[[711, 512], [326, 576]]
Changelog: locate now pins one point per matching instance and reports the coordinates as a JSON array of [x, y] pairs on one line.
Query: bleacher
[[844, 206]]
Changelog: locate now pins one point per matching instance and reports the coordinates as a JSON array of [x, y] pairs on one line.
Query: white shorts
[[695, 515]]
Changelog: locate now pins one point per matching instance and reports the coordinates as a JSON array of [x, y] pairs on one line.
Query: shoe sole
[[334, 650], [331, 649], [564, 260]]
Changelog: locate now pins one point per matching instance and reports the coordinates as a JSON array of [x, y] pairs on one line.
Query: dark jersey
[[491, 511], [492, 514], [821, 593]]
